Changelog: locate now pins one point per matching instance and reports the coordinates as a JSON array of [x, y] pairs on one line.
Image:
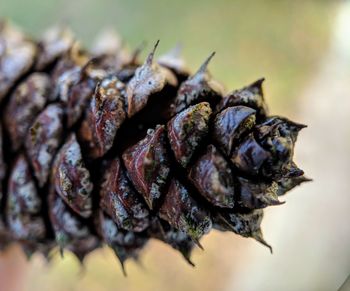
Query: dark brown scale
[[23, 207], [286, 127], [55, 42], [157, 86], [68, 72], [24, 105], [255, 195], [213, 178], [251, 96], [268, 152], [182, 242], [287, 184], [79, 96], [187, 130], [80, 92], [125, 244], [17, 55], [278, 136], [230, 125], [246, 224], [182, 212], [104, 116], [71, 231], [178, 240], [149, 79], [120, 201], [198, 88], [43, 140], [45, 248], [147, 165], [72, 178], [250, 157]]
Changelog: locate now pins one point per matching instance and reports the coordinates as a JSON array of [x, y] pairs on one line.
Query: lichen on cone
[[100, 148]]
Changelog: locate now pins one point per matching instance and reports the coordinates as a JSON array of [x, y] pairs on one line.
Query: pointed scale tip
[[188, 260], [258, 236], [204, 66], [121, 261], [150, 57], [224, 220], [196, 241], [297, 126], [81, 258], [306, 179], [275, 202], [271, 199], [123, 268], [300, 126], [161, 229], [61, 252], [257, 83], [279, 203]]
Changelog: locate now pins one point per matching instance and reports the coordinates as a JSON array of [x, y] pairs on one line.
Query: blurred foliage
[[283, 41]]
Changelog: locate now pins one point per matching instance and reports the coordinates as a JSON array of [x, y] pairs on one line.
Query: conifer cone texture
[[98, 148]]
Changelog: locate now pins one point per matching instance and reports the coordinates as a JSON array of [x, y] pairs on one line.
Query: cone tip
[[150, 57], [204, 66]]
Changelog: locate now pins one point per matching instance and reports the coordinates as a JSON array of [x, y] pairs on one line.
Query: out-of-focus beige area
[[303, 50]]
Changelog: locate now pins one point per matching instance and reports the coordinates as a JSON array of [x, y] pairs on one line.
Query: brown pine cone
[[101, 149]]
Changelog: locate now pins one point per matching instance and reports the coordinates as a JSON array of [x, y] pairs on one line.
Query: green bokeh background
[[280, 40], [283, 41]]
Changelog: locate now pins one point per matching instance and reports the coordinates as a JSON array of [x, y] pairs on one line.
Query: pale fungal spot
[[72, 225], [44, 157], [65, 183]]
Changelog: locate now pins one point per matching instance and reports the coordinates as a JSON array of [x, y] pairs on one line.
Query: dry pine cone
[[97, 148]]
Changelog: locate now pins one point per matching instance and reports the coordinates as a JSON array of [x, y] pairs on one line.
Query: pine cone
[[97, 148]]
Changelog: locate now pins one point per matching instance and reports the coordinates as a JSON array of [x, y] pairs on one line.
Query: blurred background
[[302, 48]]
